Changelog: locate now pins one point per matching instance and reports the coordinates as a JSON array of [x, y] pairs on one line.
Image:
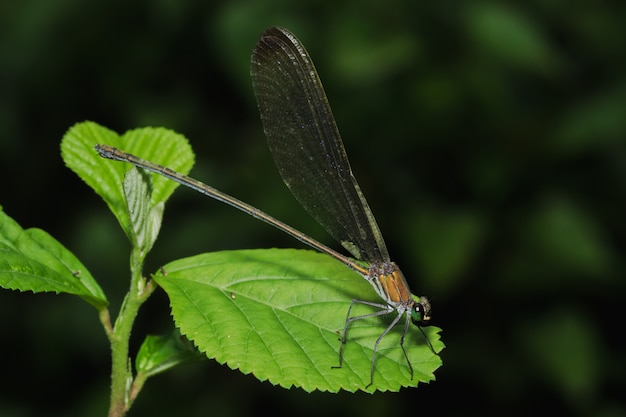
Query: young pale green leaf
[[32, 260], [159, 353], [278, 314], [159, 145], [145, 221]]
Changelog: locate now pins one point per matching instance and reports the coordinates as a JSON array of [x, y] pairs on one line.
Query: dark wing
[[306, 144]]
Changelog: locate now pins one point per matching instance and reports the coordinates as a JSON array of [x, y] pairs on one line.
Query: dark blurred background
[[488, 138]]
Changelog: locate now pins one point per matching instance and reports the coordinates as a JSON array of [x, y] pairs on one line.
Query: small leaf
[[145, 221], [447, 243], [159, 353], [159, 145], [32, 260], [513, 37], [279, 313], [566, 350]]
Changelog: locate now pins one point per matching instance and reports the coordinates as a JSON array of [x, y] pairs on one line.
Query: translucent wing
[[306, 144]]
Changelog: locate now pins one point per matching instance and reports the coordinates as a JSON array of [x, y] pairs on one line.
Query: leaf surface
[[32, 260], [278, 314]]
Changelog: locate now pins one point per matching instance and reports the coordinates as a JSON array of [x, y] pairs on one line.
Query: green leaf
[[159, 145], [159, 353], [278, 314], [145, 221], [32, 260], [509, 34], [566, 351], [447, 243]]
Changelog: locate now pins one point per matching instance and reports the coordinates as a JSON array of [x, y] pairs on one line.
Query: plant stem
[[121, 368]]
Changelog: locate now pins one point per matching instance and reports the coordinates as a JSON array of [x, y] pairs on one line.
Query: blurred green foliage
[[488, 138]]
